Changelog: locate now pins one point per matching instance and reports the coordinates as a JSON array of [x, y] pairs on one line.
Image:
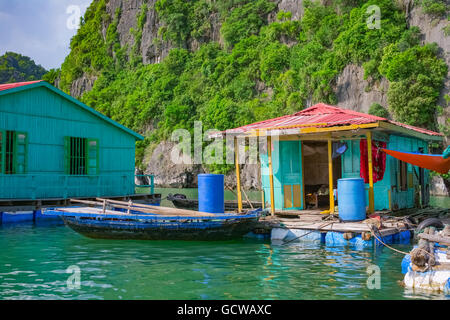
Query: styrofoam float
[[432, 280]]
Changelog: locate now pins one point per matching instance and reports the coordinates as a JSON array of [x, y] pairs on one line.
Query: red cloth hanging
[[378, 160]]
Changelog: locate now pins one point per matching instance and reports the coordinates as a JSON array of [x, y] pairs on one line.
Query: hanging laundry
[[378, 160]]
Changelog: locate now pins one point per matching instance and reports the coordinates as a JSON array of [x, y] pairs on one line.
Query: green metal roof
[[31, 85]]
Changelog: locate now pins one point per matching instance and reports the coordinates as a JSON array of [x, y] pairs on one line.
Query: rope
[[399, 251], [318, 228]]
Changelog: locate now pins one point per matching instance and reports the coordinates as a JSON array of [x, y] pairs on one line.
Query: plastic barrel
[[211, 193], [351, 199]]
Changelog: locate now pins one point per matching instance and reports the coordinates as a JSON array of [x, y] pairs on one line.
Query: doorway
[[316, 174]]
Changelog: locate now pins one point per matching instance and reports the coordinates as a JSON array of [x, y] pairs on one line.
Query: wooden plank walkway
[[314, 220]]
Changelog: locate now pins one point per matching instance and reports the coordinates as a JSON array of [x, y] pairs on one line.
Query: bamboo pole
[[248, 200], [330, 175], [369, 157], [272, 195], [144, 208], [263, 200], [238, 175], [303, 175], [159, 209]]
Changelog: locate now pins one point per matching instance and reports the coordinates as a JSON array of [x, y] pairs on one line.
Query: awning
[[435, 162]]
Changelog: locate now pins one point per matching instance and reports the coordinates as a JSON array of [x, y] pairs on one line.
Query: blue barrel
[[351, 199], [211, 196]]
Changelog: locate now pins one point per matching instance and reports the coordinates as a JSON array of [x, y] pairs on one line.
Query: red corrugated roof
[[421, 130], [322, 115], [7, 86]]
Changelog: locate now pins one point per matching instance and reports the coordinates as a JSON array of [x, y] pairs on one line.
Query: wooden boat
[[182, 202], [103, 220]]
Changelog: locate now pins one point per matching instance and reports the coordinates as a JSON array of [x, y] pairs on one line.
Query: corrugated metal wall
[[47, 118]]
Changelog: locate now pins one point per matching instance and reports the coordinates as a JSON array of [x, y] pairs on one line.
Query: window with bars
[[13, 152], [81, 156]]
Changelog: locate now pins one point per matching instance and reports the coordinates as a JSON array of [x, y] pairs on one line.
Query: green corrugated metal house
[[54, 146], [297, 159]]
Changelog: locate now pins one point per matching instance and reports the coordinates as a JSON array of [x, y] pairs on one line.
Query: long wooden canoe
[[103, 221], [180, 201]]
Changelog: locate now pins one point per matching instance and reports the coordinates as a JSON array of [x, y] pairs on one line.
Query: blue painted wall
[[287, 174], [48, 117], [399, 199]]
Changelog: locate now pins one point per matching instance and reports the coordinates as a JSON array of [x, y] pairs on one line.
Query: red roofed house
[[312, 149]]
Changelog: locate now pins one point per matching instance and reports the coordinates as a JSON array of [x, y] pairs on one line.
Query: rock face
[[293, 6], [150, 52], [433, 31], [351, 89], [82, 85], [353, 92], [170, 175], [438, 187]]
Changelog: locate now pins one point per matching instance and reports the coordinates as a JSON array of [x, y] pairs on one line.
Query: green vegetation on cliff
[[262, 70], [15, 67]]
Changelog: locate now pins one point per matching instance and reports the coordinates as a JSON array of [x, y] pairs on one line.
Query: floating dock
[[28, 210], [312, 226]]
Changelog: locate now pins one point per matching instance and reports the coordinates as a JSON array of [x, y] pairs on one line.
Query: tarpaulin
[[435, 162]]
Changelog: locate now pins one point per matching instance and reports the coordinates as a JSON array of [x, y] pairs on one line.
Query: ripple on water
[[36, 265]]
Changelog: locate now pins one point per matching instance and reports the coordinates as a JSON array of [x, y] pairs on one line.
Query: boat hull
[[157, 230]]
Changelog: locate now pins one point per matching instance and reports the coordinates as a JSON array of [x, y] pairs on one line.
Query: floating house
[[307, 152], [52, 146]]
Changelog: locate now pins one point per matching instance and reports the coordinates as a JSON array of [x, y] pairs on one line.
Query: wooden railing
[[151, 182]]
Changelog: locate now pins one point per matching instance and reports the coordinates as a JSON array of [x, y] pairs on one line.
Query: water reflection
[[34, 263]]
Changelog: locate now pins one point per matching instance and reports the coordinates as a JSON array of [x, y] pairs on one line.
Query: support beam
[[263, 198], [369, 161], [330, 175], [272, 193], [238, 174], [303, 175]]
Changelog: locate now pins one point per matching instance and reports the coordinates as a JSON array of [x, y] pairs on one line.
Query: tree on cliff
[[15, 67]]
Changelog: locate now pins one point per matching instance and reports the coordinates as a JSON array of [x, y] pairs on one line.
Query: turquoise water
[[441, 202], [34, 261]]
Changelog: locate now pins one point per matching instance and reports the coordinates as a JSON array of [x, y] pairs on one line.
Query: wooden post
[[263, 199], [272, 195], [238, 174], [369, 157], [330, 175], [303, 176], [130, 204]]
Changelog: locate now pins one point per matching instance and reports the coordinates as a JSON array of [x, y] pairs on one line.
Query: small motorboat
[[110, 219], [182, 202]]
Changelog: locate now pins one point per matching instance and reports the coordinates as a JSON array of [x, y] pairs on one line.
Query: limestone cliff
[[351, 89]]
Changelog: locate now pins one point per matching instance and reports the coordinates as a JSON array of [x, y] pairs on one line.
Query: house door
[[291, 174]]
